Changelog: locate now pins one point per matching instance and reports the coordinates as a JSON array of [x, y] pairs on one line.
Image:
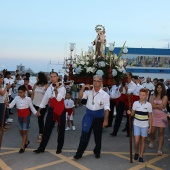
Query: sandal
[[151, 145], [39, 138], [159, 153]]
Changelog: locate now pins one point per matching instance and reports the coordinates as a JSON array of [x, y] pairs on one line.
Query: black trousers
[[112, 105], [120, 109], [49, 125], [41, 119], [119, 116], [97, 126]]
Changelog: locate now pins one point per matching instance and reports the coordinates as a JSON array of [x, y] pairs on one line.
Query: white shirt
[[39, 93], [69, 103], [145, 107], [149, 86], [136, 91], [101, 100], [114, 92], [131, 87], [8, 81], [50, 93], [22, 103]]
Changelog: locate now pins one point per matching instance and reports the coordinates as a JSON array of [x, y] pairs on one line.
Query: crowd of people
[[148, 102]]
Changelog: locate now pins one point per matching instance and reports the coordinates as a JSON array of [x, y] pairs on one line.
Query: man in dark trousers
[[125, 90], [55, 95], [96, 117], [114, 97]]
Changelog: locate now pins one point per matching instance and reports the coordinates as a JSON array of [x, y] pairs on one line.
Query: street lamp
[[71, 51], [70, 67]]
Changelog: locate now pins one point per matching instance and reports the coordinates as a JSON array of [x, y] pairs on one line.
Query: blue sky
[[34, 32]]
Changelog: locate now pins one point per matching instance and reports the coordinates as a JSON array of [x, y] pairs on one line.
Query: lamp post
[[71, 51], [71, 59]]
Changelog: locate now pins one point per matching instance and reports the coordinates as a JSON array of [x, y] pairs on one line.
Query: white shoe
[[67, 128], [73, 127], [9, 120]]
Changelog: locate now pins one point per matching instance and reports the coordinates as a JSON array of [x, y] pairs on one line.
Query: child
[[69, 105], [23, 105], [28, 87], [142, 111]]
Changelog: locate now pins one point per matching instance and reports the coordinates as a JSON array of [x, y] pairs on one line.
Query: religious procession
[[109, 96]]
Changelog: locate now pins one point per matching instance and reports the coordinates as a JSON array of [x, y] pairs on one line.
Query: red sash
[[58, 108], [116, 100], [135, 98], [23, 113], [124, 98]]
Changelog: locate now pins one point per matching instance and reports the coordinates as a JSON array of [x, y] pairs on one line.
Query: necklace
[[93, 97]]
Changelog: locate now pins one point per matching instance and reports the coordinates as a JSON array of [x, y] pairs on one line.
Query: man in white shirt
[[123, 104], [149, 85], [55, 95], [114, 95], [96, 117], [138, 87]]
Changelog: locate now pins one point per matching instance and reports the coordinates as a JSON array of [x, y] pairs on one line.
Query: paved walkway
[[114, 156]]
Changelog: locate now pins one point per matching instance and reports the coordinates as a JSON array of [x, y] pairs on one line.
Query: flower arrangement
[[89, 65]]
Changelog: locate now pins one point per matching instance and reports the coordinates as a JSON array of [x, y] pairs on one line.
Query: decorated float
[[101, 61]]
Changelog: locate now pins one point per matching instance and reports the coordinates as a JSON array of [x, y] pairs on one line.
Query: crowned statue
[[100, 41]]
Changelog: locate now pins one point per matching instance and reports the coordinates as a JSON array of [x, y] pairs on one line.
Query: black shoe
[[113, 134], [136, 157], [108, 126], [27, 144], [141, 160], [58, 151], [77, 156], [21, 150], [38, 151], [124, 130], [97, 156]]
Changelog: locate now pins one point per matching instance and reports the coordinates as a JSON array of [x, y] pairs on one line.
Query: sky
[[37, 33]]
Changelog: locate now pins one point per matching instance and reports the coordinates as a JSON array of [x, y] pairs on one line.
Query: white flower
[[101, 64], [115, 57], [74, 65], [87, 63], [120, 63], [121, 69], [114, 72], [87, 58], [99, 72], [78, 70], [90, 69], [82, 62]]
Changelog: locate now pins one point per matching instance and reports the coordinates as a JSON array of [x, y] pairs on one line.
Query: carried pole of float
[[130, 127]]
